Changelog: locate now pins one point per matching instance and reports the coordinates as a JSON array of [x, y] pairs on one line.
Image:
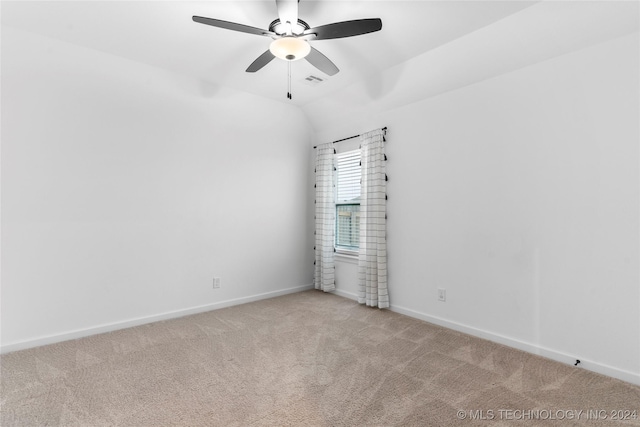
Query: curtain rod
[[350, 137]]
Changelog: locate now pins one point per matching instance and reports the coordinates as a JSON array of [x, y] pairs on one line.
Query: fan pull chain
[[289, 79]]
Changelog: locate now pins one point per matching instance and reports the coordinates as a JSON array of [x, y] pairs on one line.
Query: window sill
[[347, 256]]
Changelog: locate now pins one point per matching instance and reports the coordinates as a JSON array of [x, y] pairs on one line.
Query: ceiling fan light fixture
[[290, 48]]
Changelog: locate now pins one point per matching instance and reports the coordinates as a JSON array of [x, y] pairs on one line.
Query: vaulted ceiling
[[162, 34]]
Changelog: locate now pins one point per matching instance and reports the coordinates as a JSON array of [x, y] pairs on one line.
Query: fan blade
[[233, 26], [260, 62], [321, 62], [339, 30], [287, 11]]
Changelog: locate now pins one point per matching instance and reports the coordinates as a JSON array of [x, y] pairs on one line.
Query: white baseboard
[[549, 353], [346, 294], [491, 336], [110, 327]]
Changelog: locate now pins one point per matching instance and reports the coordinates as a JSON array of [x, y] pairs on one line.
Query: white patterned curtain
[[324, 277], [372, 262]]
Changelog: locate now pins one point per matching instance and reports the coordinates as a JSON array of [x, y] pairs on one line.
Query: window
[[348, 201]]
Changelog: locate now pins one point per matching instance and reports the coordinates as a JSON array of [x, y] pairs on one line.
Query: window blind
[[348, 185], [348, 200]]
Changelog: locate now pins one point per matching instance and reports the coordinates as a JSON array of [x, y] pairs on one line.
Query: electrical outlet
[[442, 295], [216, 282]]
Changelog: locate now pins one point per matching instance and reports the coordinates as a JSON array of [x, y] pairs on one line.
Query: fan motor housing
[[276, 27]]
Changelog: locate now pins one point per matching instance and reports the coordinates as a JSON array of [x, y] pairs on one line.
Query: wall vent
[[312, 80]]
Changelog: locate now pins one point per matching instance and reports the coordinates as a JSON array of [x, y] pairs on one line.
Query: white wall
[[520, 196], [126, 189]]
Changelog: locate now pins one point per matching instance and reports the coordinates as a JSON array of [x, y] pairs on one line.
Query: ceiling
[[162, 34]]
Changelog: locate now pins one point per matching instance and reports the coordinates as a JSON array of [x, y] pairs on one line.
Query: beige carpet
[[306, 359]]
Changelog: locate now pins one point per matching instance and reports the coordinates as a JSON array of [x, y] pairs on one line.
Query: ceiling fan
[[291, 36]]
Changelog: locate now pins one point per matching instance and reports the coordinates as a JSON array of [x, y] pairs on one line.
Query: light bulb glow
[[290, 48]]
